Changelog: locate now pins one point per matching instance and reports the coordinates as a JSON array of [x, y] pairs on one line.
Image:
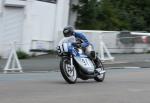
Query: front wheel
[[100, 78], [68, 71]]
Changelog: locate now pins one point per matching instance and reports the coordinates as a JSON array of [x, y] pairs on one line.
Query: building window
[[49, 1]]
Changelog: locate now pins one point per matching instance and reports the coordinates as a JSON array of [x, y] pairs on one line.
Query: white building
[[72, 14], [39, 23], [27, 21]]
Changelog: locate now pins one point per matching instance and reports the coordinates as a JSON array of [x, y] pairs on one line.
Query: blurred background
[[122, 25]]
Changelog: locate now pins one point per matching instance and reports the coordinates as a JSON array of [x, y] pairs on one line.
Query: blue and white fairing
[[84, 62], [65, 45]]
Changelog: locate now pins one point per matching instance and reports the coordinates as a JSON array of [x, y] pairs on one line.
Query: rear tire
[[69, 73], [101, 77]]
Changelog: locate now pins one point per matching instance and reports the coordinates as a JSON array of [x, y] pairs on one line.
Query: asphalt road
[[120, 86], [51, 62]]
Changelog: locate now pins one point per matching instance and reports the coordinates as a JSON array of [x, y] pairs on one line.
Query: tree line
[[132, 15]]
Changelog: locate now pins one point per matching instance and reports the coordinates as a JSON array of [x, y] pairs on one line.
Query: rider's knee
[[90, 52], [93, 55]]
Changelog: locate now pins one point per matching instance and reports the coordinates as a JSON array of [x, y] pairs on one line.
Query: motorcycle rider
[[84, 43]]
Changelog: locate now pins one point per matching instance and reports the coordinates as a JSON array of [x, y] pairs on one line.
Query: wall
[[62, 14], [11, 26], [18, 3], [0, 23], [43, 25], [112, 42], [41, 21], [0, 7], [109, 38], [72, 14]]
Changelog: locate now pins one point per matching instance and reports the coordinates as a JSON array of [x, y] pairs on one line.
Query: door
[[12, 26]]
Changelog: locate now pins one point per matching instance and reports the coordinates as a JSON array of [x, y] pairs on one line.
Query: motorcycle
[[75, 63]]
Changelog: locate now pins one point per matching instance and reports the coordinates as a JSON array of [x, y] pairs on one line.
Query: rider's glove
[[76, 45]]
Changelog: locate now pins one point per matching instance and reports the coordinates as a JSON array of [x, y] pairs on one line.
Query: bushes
[[22, 55]]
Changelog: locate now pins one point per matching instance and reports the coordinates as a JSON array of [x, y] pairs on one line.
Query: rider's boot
[[97, 63], [98, 66]]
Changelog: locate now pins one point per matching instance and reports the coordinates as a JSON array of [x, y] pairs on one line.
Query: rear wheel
[[68, 72], [100, 78]]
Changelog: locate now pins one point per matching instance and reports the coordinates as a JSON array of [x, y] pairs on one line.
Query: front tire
[[69, 73], [101, 77]]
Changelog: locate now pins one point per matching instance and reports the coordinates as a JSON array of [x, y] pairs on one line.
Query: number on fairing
[[59, 49], [85, 62]]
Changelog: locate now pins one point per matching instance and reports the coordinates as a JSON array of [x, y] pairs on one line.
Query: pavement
[[119, 86], [51, 62], [41, 82]]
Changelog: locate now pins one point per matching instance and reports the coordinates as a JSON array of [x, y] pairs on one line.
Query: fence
[[134, 42], [114, 42]]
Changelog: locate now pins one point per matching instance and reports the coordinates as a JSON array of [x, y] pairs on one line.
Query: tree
[[87, 14], [113, 15]]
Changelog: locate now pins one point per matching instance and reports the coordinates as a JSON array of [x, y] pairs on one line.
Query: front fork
[[71, 62]]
